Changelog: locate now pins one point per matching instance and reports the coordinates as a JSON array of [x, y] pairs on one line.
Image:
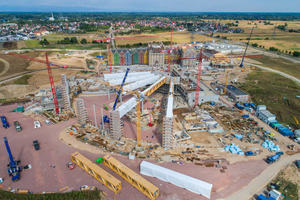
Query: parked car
[[37, 124], [17, 126], [70, 165], [5, 124], [36, 145]]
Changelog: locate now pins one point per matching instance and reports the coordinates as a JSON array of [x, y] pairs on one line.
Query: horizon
[[257, 6]]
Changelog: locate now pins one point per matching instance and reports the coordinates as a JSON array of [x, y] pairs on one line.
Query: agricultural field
[[276, 92], [280, 64], [265, 35], [178, 37]]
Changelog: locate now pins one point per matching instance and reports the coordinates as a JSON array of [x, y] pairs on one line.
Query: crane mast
[[52, 85]]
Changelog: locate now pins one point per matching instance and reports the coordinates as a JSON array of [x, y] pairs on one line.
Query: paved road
[[263, 179], [277, 72]]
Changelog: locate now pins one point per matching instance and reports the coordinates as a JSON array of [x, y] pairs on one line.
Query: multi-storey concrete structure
[[65, 92], [81, 112]]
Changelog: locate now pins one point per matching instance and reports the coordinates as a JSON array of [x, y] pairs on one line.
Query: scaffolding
[[167, 136], [81, 112], [116, 128], [97, 172], [65, 92], [144, 186]]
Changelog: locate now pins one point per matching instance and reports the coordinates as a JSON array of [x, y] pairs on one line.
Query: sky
[[152, 5]]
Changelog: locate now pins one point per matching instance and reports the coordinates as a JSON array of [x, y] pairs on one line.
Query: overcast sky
[[152, 5]]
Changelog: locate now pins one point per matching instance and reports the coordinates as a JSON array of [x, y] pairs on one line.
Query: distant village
[[14, 31]]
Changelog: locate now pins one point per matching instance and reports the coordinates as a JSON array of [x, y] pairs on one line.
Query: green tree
[[83, 41], [74, 40], [296, 54], [44, 42]]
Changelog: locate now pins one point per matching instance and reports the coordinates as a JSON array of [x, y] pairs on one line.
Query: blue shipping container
[[262, 197], [285, 132]]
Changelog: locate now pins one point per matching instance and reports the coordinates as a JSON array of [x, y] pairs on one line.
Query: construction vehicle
[[120, 90], [13, 167], [150, 123], [5, 124], [296, 120], [36, 145], [106, 119], [17, 126], [239, 106], [274, 158]]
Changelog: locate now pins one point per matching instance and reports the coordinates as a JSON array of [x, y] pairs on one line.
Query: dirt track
[[6, 66]]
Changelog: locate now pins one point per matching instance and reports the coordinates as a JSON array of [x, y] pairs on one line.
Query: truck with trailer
[[274, 158]]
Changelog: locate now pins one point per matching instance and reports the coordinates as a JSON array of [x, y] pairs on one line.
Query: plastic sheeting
[[178, 179], [234, 149], [268, 144]]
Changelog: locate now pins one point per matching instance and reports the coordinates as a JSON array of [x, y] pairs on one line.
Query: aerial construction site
[[158, 122]]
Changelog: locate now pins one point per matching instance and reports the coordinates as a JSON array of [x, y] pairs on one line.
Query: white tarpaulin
[[178, 179]]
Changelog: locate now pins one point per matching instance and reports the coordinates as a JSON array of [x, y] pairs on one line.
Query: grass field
[[178, 37], [281, 65], [276, 92], [74, 195], [265, 35], [22, 80]]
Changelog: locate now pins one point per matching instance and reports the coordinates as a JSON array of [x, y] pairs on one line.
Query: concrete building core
[[65, 92], [81, 112]]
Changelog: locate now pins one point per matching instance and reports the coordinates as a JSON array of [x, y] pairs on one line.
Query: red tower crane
[[52, 85], [198, 78], [169, 50]]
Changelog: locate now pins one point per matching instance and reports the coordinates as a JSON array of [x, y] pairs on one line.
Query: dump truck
[[274, 158]]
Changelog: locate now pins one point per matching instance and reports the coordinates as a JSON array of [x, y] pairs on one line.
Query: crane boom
[[242, 63], [52, 85], [120, 90], [13, 168]]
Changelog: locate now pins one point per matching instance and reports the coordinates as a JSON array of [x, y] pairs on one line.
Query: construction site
[[163, 122]]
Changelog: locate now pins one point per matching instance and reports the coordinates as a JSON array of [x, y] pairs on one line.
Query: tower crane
[[198, 78], [52, 85], [13, 167], [242, 63], [49, 74]]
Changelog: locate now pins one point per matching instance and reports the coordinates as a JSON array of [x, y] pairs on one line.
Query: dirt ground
[[13, 91], [16, 64]]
